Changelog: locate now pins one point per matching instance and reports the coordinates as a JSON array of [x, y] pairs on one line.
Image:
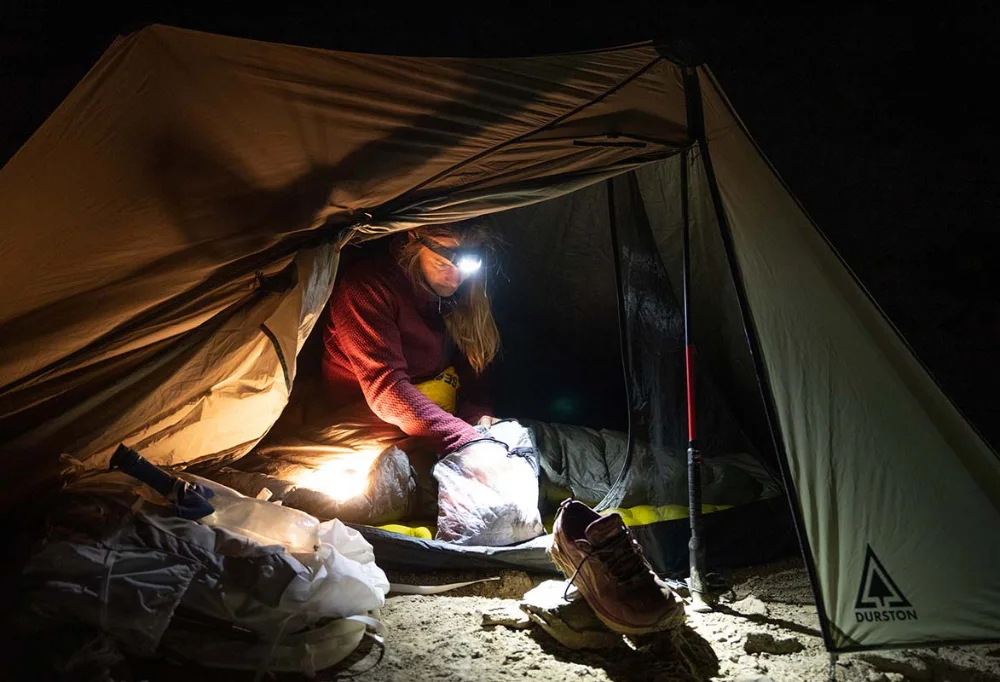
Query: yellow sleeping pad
[[644, 514], [421, 532], [641, 515]]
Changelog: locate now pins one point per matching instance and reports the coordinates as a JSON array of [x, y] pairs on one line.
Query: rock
[[910, 668], [550, 594], [751, 606], [507, 615], [753, 678], [995, 653], [761, 642], [571, 623]]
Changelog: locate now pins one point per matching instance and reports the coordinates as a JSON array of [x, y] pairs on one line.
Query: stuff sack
[[488, 489]]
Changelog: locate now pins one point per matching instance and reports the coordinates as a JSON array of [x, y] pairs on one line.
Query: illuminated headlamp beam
[[466, 262], [468, 265]]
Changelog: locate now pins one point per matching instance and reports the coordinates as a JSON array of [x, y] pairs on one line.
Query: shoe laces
[[622, 555]]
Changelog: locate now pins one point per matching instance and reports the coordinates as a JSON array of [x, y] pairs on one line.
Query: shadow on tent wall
[[231, 227]]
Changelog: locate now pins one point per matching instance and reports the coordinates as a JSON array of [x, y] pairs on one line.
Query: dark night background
[[881, 121]]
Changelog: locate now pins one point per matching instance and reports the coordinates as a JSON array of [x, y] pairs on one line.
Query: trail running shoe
[[601, 557]]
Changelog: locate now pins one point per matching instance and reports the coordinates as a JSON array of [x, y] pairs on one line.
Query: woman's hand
[[487, 421]]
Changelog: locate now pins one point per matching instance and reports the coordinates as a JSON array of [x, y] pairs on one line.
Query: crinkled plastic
[[488, 490], [343, 579], [339, 576], [264, 522], [300, 593]]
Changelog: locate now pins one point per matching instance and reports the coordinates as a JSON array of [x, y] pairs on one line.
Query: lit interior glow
[[468, 265], [342, 478]]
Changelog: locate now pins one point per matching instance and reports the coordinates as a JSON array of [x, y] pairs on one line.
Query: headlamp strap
[[451, 255]]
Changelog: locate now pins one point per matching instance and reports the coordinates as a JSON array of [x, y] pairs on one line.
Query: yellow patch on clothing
[[442, 390]]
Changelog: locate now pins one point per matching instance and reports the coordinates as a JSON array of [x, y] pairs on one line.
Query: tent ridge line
[[388, 206], [567, 53], [624, 165], [629, 161], [648, 139]]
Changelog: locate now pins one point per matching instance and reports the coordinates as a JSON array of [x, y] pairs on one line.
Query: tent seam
[[523, 136]]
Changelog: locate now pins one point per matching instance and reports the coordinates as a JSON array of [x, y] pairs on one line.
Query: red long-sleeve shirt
[[383, 334]]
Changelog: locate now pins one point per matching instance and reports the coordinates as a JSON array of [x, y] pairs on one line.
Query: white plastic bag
[[338, 575], [488, 490], [342, 578]]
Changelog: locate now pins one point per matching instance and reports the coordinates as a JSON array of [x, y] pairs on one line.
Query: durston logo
[[879, 598]]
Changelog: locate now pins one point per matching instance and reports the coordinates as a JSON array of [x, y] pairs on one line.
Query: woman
[[396, 325], [406, 338]]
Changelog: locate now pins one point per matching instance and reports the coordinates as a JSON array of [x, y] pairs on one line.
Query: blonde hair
[[470, 322]]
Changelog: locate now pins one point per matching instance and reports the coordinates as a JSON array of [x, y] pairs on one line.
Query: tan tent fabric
[[188, 152], [186, 166], [170, 235]]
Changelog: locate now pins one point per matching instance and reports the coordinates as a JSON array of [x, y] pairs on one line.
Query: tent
[[172, 232]]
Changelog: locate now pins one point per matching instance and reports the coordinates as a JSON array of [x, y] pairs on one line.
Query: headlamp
[[467, 261]]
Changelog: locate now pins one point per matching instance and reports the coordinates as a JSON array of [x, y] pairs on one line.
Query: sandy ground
[[443, 638]]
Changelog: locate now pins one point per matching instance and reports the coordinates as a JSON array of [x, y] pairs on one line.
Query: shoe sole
[[668, 622]]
